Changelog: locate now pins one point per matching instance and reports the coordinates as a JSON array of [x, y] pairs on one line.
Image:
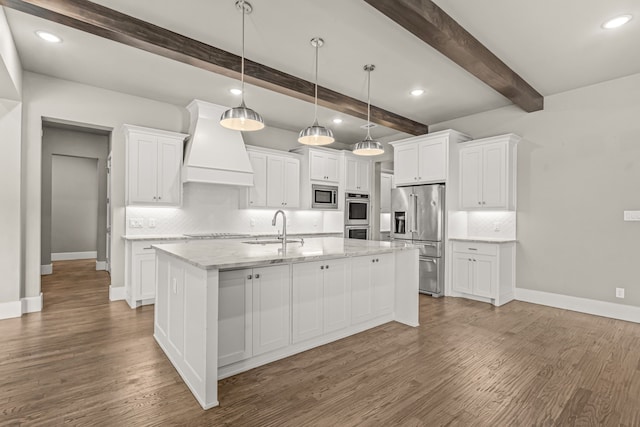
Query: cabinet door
[[292, 183], [175, 332], [351, 174], [406, 164], [169, 161], [485, 280], [144, 271], [143, 169], [307, 300], [337, 296], [317, 166], [386, 184], [494, 176], [462, 273], [275, 182], [331, 167], [382, 275], [234, 316], [271, 308], [361, 289], [432, 160], [471, 178], [258, 193], [364, 177]]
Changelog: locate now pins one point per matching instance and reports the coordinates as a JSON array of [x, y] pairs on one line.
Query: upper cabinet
[[488, 173], [276, 180], [357, 174], [424, 159], [323, 166], [154, 159]]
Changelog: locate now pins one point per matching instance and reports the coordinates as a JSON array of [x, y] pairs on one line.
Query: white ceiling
[[554, 45]]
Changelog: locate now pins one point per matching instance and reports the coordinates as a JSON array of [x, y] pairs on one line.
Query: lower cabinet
[[140, 281], [372, 284], [321, 298], [484, 270], [253, 312]]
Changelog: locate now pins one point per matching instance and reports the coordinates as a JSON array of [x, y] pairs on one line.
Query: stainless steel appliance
[[417, 217], [356, 209], [356, 232], [324, 196]]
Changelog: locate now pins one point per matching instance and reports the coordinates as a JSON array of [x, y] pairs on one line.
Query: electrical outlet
[[619, 292], [136, 222], [152, 223], [252, 222]]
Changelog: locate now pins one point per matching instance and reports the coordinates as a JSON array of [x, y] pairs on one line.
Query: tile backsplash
[[496, 224], [214, 208]]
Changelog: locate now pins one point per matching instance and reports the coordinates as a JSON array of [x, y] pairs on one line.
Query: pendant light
[[242, 118], [368, 146], [316, 134]]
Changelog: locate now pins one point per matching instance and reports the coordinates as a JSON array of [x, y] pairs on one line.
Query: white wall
[[10, 67], [73, 102], [74, 204], [10, 222], [578, 170]]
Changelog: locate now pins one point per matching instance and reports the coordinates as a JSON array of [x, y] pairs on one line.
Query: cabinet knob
[[377, 260], [249, 277], [257, 276], [327, 267], [373, 260], [470, 259], [484, 203], [154, 197], [159, 197], [479, 203], [251, 202], [322, 267]]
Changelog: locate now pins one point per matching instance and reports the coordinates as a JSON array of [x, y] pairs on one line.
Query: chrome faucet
[[284, 224]]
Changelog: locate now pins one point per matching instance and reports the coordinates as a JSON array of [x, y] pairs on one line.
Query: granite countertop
[[483, 239], [225, 254], [212, 236]]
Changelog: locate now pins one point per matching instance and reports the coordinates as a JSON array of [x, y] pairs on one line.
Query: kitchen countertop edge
[[482, 239]]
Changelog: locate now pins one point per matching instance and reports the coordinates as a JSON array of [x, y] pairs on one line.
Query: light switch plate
[[632, 215]]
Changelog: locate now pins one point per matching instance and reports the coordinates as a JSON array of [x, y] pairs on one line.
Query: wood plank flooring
[[85, 361]]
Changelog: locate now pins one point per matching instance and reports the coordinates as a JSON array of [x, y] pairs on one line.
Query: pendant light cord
[[316, 92], [369, 102], [242, 61]]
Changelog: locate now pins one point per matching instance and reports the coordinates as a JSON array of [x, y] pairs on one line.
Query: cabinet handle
[[484, 203], [322, 267], [327, 267], [470, 259], [373, 260], [154, 197], [377, 260], [473, 249], [479, 203], [159, 198], [257, 276], [148, 247], [249, 277]]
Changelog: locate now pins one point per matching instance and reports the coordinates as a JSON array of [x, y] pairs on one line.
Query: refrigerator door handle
[[410, 220], [415, 213]]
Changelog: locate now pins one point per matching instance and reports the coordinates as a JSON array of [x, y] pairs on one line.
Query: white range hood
[[214, 154]]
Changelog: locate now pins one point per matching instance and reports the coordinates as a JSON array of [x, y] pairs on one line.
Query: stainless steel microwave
[[324, 196]]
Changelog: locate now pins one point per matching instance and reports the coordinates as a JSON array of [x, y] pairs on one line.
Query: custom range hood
[[214, 154]]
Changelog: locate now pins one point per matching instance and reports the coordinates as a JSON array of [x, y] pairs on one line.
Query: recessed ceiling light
[[235, 91], [616, 22], [417, 92], [51, 38], [337, 120]]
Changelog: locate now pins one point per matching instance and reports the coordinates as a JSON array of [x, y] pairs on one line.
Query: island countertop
[[226, 254]]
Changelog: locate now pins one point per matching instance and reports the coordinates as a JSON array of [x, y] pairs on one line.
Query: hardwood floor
[[85, 361]]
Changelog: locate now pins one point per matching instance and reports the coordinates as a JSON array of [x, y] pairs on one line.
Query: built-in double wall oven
[[356, 216]]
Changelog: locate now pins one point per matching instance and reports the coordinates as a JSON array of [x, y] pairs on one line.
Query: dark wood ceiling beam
[[113, 25], [428, 22]]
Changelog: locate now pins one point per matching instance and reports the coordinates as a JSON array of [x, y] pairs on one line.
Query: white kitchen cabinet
[[257, 194], [386, 185], [488, 173], [154, 159], [357, 174], [271, 308], [276, 181], [371, 287], [140, 266], [323, 166], [321, 298], [235, 316], [424, 159], [485, 270]]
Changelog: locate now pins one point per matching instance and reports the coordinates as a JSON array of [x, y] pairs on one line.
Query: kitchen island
[[224, 307]]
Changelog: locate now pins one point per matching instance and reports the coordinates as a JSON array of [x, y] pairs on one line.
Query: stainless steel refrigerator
[[417, 217]]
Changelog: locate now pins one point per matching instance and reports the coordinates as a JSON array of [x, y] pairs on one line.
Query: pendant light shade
[[368, 146], [242, 118], [316, 134]]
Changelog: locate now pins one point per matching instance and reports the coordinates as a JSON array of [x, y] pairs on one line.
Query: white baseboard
[[10, 309], [582, 305], [46, 269], [101, 265], [117, 293], [68, 256], [32, 304]]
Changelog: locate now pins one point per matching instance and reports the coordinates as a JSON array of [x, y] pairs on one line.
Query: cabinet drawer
[[475, 248], [144, 247]]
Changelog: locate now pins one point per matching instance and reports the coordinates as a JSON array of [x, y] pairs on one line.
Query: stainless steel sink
[[270, 241]]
